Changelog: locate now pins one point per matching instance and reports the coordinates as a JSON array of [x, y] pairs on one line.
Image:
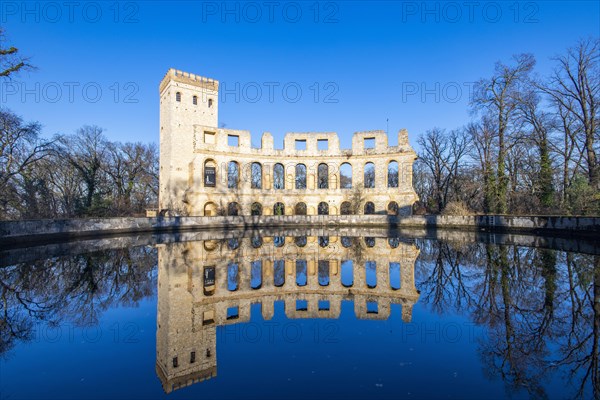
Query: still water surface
[[301, 314]]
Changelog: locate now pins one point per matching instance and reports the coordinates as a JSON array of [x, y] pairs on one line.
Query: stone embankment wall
[[15, 231]]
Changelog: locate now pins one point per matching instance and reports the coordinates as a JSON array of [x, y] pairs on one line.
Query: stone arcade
[[207, 171]]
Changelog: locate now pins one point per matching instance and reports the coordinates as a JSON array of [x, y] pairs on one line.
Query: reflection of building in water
[[205, 284]]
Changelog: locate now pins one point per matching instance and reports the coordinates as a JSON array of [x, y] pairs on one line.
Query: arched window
[[301, 272], [210, 103], [393, 174], [346, 208], [347, 241], [347, 273], [278, 177], [233, 175], [233, 243], [323, 176], [233, 209], [371, 274], [256, 241], [210, 173], [256, 209], [233, 274], [369, 208], [300, 176], [195, 100], [279, 209], [300, 209], [279, 273], [346, 176], [392, 208], [369, 175], [323, 241], [256, 176], [323, 272], [370, 241], [323, 208], [178, 96], [394, 242], [395, 278], [210, 209], [256, 274], [278, 241], [300, 241]]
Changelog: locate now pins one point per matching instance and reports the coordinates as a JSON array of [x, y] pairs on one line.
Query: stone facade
[[206, 170], [318, 271]]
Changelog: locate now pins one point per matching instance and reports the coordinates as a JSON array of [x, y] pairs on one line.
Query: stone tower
[[186, 101]]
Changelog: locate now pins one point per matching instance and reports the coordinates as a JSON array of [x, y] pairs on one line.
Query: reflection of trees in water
[[72, 289], [541, 308], [446, 286], [580, 340]]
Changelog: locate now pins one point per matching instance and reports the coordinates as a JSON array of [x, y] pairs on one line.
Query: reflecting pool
[[315, 313]]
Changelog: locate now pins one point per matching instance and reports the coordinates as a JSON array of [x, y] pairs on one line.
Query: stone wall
[[12, 231]]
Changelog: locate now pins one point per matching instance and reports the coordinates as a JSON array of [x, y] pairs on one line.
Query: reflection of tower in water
[[205, 284]]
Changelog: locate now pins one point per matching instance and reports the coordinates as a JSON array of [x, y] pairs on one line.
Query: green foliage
[[582, 199]]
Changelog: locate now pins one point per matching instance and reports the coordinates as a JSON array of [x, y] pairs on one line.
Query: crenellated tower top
[[188, 78]]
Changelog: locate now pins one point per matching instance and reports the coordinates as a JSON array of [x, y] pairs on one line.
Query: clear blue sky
[[375, 59]]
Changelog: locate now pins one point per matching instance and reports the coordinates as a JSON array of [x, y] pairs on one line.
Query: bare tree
[[87, 152], [20, 148], [499, 96], [575, 89], [538, 125], [570, 150], [442, 155], [483, 137], [130, 167], [11, 62]]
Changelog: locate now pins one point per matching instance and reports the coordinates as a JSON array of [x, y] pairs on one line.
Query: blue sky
[[287, 66]]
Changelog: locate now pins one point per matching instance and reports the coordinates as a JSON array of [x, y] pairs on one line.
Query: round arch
[[256, 209], [210, 173], [210, 209], [323, 176], [392, 174], [346, 208], [323, 208], [233, 209], [346, 176], [369, 175], [278, 176], [233, 174], [300, 209], [256, 175], [279, 209]]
